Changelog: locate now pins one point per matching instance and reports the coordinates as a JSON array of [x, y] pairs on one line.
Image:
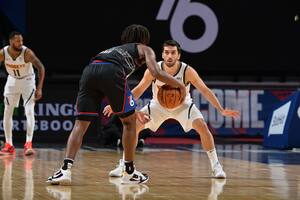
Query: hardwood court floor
[[175, 173]]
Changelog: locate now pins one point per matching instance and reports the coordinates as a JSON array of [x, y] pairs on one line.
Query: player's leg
[[207, 139], [209, 146], [129, 140], [28, 99], [88, 105], [118, 171], [10, 102], [75, 138], [63, 175], [157, 117], [191, 118], [123, 104]]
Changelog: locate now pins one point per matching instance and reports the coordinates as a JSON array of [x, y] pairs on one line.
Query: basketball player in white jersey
[[187, 114], [18, 61]]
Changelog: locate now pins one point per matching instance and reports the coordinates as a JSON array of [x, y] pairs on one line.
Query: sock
[[129, 167], [67, 163], [29, 112], [29, 137], [8, 123], [213, 158]]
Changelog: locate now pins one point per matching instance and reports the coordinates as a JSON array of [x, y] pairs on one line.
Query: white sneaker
[[135, 178], [218, 172], [61, 177], [118, 171]]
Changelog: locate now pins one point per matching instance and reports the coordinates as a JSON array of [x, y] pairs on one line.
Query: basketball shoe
[[7, 150], [118, 171], [218, 172], [61, 177], [28, 149], [135, 178]]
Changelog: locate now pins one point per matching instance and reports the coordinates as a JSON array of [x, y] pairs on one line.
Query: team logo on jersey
[[131, 101], [14, 66]]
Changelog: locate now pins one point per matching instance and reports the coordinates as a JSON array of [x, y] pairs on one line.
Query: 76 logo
[[183, 10]]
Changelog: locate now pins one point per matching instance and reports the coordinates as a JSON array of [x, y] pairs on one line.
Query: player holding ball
[[164, 104]]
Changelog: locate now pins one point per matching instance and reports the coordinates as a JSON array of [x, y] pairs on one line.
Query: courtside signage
[[279, 119]]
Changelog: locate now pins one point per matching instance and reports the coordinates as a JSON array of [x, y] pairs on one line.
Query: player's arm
[[1, 56], [31, 57], [156, 72], [143, 85], [193, 77]]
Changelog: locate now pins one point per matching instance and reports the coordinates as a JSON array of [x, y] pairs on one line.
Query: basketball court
[[176, 172]]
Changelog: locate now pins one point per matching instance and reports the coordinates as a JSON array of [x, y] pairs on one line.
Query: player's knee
[[129, 122], [80, 127], [8, 109], [129, 126], [29, 109]]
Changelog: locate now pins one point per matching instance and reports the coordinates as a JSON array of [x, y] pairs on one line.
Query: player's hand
[[38, 94], [182, 92], [143, 118], [107, 111], [230, 113]]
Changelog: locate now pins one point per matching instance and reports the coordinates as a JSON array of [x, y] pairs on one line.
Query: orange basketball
[[168, 96]]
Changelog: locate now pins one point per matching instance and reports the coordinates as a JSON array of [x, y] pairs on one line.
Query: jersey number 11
[[17, 72]]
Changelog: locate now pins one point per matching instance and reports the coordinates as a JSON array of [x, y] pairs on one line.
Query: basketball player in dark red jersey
[[106, 75]]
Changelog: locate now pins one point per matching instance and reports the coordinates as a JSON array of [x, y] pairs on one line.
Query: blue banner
[[55, 112], [282, 129], [253, 104]]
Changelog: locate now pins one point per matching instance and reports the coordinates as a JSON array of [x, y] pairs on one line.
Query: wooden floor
[[175, 173]]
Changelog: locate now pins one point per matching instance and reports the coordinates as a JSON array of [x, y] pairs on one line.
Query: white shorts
[[15, 88], [185, 115]]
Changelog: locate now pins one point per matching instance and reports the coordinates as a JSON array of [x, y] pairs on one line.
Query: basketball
[[168, 96]]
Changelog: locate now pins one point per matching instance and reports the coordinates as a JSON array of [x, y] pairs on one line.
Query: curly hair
[[135, 33]]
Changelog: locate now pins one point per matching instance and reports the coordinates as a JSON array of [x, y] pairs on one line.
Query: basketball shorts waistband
[[100, 62]]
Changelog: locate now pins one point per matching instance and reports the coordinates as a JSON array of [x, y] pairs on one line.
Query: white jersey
[[185, 114], [180, 75], [17, 68]]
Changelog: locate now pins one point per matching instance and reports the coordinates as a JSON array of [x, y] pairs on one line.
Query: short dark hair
[[13, 34], [135, 33], [172, 43]]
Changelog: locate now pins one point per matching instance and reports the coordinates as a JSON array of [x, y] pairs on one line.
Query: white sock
[[29, 112], [213, 158], [7, 123]]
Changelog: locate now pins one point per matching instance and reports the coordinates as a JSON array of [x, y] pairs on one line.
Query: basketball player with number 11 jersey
[[19, 61]]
